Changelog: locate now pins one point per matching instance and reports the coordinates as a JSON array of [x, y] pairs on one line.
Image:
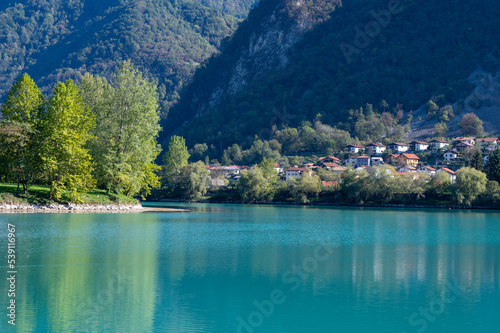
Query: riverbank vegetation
[[97, 135], [473, 184]]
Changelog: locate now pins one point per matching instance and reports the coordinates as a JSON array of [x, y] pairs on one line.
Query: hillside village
[[415, 157]]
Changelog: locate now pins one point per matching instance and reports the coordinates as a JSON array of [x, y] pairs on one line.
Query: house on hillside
[[418, 146], [362, 161], [375, 148], [278, 168], [355, 148], [392, 159], [376, 161], [468, 139], [408, 159], [329, 159], [327, 165], [408, 168], [462, 145], [397, 147], [426, 169], [450, 155], [439, 144], [487, 141], [293, 173], [358, 161], [451, 174]]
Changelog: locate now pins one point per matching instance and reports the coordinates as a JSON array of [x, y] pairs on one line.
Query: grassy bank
[[40, 195]]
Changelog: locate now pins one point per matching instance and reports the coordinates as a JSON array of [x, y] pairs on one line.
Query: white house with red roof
[[375, 148], [418, 146], [426, 169], [439, 144], [295, 172], [398, 147], [451, 174], [355, 148], [450, 155]]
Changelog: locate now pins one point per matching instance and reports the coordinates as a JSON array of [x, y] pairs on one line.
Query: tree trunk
[[18, 181], [50, 191]]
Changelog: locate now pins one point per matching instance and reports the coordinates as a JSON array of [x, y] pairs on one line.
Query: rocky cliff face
[[277, 26]]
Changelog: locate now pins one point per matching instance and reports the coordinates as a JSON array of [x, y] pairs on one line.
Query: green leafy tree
[[66, 130], [19, 127], [470, 184], [439, 185], [267, 166], [441, 130], [176, 156], [471, 125], [127, 130], [305, 187], [194, 180], [252, 186]]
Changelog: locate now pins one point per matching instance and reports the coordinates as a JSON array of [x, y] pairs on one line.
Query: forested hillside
[[55, 40], [294, 60]]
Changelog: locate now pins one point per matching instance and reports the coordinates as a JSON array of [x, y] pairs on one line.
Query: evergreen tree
[[493, 165], [476, 160]]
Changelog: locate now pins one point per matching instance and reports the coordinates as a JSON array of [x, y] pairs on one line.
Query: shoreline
[[82, 208], [338, 204]]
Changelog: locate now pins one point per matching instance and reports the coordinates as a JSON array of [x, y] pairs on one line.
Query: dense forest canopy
[[423, 50], [56, 40]]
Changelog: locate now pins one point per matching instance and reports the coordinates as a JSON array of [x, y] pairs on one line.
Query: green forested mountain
[[291, 61], [55, 40]]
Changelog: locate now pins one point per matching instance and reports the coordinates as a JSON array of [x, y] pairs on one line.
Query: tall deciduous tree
[[440, 129], [177, 155], [470, 184], [21, 111], [127, 130], [66, 129]]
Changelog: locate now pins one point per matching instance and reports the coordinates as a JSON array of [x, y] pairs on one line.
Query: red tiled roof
[[398, 144], [420, 142], [326, 184], [428, 168], [356, 146], [487, 140], [330, 165], [332, 157], [298, 169], [375, 144], [363, 156], [410, 156], [448, 170]]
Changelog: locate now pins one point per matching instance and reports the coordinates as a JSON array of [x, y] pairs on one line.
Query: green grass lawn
[[40, 195]]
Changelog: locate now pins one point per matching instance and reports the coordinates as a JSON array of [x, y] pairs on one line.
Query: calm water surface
[[233, 268]]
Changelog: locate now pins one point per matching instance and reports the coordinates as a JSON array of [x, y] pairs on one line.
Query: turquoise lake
[[245, 268]]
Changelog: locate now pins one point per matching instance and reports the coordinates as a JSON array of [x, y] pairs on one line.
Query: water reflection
[[199, 271]]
